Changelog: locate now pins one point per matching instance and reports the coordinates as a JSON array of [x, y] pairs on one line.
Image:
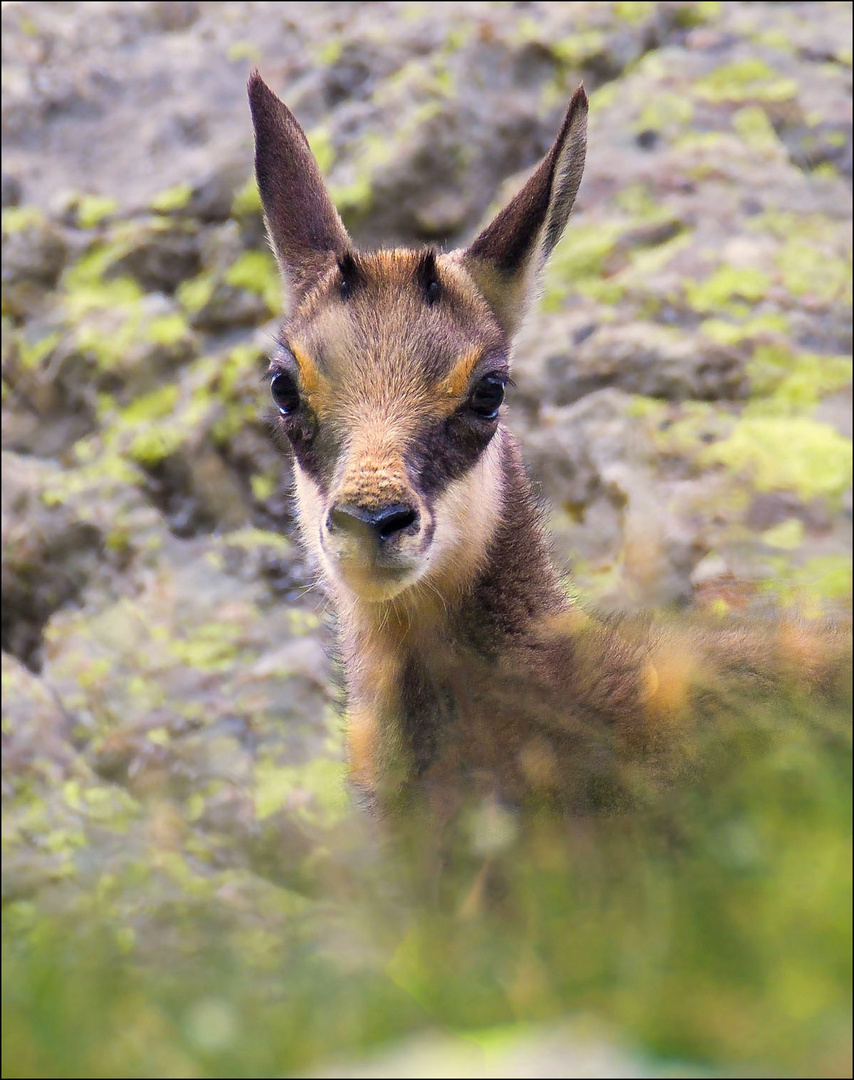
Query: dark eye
[[285, 392], [487, 396]]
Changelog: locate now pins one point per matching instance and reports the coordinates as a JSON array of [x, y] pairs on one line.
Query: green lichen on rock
[[754, 126], [117, 331], [17, 218], [733, 331], [154, 426], [85, 287], [353, 200], [329, 53], [579, 49], [241, 361], [92, 210], [243, 50], [172, 199], [745, 80], [788, 535], [235, 382], [353, 196], [81, 299], [255, 540], [151, 446], [257, 272], [214, 646], [786, 382], [195, 294], [790, 453], [34, 353], [808, 270], [108, 344], [667, 113], [633, 11], [578, 265], [153, 406], [167, 329], [263, 486], [317, 786], [613, 260], [726, 289], [697, 13]]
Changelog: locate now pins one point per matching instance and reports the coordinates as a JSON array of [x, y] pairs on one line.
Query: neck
[[401, 656]]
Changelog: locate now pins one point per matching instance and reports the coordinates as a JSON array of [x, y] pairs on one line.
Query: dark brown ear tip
[[579, 99], [258, 90]]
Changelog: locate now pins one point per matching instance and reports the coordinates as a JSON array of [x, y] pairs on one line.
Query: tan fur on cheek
[[311, 510], [466, 516]]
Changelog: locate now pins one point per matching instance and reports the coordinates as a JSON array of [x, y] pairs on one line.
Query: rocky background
[[683, 394]]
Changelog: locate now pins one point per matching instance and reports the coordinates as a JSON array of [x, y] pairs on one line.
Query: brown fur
[[468, 668]]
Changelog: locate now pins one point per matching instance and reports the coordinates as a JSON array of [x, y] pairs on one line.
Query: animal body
[[468, 668]]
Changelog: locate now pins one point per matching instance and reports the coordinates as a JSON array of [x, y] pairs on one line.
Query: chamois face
[[389, 384], [391, 369]]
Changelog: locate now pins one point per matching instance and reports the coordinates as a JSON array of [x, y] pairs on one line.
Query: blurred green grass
[[710, 923]]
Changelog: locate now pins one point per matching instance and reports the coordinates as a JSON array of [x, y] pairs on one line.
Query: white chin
[[376, 584]]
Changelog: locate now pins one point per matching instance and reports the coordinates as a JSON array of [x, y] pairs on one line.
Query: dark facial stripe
[[447, 450], [312, 445]]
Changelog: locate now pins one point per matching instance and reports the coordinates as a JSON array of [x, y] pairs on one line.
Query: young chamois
[[469, 670]]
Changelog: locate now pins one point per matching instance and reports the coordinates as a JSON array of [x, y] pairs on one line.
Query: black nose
[[379, 525]]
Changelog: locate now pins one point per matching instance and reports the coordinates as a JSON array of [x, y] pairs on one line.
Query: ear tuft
[[351, 274], [304, 227], [507, 258], [427, 275]]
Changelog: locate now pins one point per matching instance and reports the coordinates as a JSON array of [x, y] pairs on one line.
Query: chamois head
[[391, 371]]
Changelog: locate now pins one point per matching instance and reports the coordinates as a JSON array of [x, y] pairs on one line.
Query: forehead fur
[[384, 333]]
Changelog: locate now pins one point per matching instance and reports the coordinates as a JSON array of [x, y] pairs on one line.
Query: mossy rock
[[128, 349], [49, 552], [35, 251], [157, 254], [788, 453]]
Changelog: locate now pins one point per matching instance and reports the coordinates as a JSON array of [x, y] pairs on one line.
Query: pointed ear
[[303, 225], [507, 258]]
